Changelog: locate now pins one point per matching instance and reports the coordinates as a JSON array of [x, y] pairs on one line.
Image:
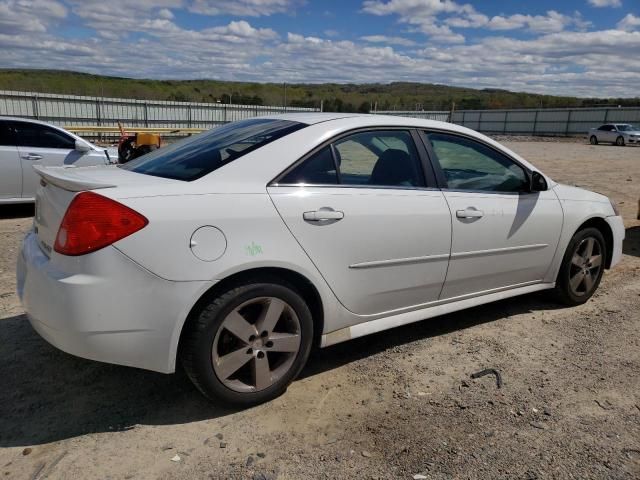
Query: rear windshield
[[194, 157]]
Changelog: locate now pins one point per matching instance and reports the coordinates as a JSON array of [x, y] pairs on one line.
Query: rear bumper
[[105, 307], [617, 228]]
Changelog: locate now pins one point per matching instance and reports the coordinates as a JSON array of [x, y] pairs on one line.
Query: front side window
[[470, 165], [41, 136], [197, 156], [374, 158], [6, 135]]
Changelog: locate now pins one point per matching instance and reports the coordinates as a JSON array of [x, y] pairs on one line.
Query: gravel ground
[[393, 405]]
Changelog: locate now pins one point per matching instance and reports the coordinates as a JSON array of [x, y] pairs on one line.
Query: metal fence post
[[606, 115], [146, 114], [189, 116], [34, 101], [480, 121], [98, 120], [464, 112], [506, 120], [535, 122], [566, 128]]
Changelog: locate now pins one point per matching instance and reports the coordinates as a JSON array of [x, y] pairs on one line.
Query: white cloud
[[242, 8], [549, 23], [605, 3], [423, 15], [166, 14], [17, 16], [405, 42], [629, 23]]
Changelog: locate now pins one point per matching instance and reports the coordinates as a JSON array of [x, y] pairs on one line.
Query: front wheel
[[582, 267], [247, 345], [593, 140], [620, 141]]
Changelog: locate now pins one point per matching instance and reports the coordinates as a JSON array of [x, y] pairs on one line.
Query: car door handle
[[469, 213], [323, 214], [32, 156]]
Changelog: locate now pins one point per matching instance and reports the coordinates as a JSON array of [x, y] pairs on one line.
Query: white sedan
[[25, 143], [236, 250]]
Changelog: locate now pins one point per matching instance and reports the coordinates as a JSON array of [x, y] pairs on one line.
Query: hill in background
[[334, 97]]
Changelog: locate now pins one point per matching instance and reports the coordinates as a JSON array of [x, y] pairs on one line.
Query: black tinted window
[[318, 169], [194, 157], [379, 158], [41, 136], [6, 135], [470, 165], [375, 158]]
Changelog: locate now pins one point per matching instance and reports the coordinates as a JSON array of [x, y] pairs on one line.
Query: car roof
[[369, 120], [23, 119]]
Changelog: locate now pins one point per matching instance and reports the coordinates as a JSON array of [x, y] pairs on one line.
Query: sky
[[570, 47]]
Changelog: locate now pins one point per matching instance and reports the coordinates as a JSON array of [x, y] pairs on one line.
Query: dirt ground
[[398, 404]]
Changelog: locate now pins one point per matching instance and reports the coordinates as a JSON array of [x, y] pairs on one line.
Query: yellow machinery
[[132, 146]]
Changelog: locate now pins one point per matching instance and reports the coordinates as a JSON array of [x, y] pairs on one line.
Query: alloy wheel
[[256, 344], [586, 264]]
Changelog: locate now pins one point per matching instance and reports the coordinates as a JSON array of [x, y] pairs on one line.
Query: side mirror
[[82, 147], [538, 182]]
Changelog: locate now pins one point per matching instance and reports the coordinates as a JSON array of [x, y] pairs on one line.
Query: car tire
[[593, 140], [264, 372], [582, 267], [620, 141]]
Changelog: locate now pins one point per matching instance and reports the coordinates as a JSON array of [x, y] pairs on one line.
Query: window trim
[[441, 179], [427, 170]]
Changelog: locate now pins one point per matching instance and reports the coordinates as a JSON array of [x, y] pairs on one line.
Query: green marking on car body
[[253, 249]]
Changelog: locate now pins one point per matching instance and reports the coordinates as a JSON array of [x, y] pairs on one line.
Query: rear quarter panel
[[255, 235]]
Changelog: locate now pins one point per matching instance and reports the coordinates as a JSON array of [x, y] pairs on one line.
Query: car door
[[362, 210], [610, 134], [503, 235], [10, 170], [40, 144]]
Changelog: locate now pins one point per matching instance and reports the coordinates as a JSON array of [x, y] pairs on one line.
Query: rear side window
[[375, 158], [197, 156], [318, 169], [41, 136]]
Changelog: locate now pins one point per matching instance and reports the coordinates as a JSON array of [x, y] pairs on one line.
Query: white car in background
[[235, 250], [25, 143], [620, 134]]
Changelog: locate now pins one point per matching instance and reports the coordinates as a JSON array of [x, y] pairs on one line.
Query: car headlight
[[615, 208]]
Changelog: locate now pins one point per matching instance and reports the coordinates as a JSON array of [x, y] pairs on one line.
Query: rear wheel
[[620, 141], [582, 267], [593, 140], [247, 345]]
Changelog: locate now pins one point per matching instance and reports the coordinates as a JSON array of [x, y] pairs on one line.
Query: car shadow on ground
[[631, 245], [23, 210], [48, 395]]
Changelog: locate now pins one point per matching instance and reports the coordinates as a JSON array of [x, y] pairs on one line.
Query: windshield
[[194, 157], [627, 128]]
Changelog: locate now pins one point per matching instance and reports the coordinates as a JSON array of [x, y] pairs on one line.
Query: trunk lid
[[58, 186]]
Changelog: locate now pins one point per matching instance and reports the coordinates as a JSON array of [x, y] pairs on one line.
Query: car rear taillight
[[93, 222]]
